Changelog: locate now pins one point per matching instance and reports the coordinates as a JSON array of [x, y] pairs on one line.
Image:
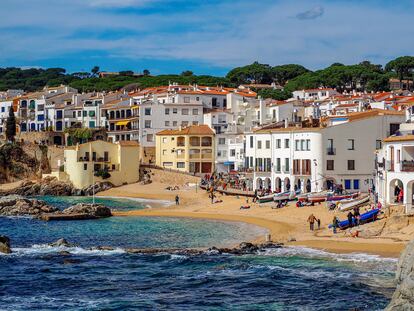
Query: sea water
[[37, 276]]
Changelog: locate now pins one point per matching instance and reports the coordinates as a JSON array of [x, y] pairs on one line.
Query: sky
[[204, 36]]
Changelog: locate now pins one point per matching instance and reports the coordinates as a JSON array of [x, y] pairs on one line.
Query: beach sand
[[287, 225]]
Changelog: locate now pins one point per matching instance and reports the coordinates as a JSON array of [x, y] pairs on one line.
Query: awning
[[122, 123], [228, 163]]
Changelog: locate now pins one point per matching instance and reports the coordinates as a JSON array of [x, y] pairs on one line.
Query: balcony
[[195, 156], [407, 166], [331, 151]]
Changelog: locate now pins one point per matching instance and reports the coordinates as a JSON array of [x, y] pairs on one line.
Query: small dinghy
[[365, 218], [348, 204]]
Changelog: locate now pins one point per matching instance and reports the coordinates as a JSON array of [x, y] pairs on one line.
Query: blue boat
[[365, 218]]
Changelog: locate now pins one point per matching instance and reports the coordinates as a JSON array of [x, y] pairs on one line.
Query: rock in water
[[95, 210], [5, 244], [61, 243], [15, 205], [403, 298]]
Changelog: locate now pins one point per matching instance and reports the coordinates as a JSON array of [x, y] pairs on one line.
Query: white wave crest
[[43, 249]]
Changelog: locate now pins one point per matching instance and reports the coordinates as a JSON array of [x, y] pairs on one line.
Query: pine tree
[[11, 125]]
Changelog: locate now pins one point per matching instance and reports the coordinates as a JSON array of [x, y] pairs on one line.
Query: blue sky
[[205, 36]]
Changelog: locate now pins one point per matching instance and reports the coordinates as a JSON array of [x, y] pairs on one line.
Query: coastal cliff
[[403, 298]]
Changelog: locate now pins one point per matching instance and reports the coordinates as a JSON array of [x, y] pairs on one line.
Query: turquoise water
[[40, 277]]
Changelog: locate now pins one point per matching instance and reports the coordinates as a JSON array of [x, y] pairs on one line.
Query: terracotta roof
[[190, 130], [288, 130], [128, 143], [399, 138]]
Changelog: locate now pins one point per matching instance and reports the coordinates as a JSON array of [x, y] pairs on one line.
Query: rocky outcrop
[[61, 243], [15, 205], [5, 244], [97, 187], [403, 298], [80, 211]]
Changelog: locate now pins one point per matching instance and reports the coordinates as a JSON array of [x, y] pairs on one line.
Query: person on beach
[[335, 224], [401, 196], [319, 223], [177, 200], [311, 221], [350, 217], [357, 215]]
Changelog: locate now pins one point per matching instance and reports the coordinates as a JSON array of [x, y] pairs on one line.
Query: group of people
[[312, 220]]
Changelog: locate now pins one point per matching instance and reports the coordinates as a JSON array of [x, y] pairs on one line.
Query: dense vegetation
[[364, 76]]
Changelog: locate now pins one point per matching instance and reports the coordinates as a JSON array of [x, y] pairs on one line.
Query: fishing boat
[[270, 197], [348, 204], [365, 218], [340, 197], [287, 196]]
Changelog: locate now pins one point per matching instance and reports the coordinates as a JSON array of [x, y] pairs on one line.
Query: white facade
[[314, 94], [4, 113], [313, 159]]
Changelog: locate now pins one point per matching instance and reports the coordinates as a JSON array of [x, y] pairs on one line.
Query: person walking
[[357, 215], [177, 200], [319, 223], [311, 221], [335, 224]]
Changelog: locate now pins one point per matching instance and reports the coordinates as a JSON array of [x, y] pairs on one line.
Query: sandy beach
[[287, 225]]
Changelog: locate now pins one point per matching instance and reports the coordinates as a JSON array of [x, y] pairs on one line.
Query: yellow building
[[120, 160], [190, 149]]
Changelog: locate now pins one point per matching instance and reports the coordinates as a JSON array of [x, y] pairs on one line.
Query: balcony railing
[[407, 166], [331, 151], [194, 156], [206, 155]]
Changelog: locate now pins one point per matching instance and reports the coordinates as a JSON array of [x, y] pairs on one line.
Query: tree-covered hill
[[364, 76]]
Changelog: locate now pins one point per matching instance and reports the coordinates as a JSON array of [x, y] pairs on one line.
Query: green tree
[[274, 94], [284, 73], [254, 73], [402, 66], [11, 125], [187, 73], [146, 72], [95, 70], [128, 73]]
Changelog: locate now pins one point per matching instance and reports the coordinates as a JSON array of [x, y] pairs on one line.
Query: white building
[[314, 94], [395, 170], [315, 158], [5, 106]]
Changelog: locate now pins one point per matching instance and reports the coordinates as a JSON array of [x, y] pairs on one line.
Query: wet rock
[[15, 205], [403, 298], [247, 247], [93, 210], [5, 245], [61, 243]]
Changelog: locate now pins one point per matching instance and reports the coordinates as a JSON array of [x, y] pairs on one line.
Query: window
[[184, 123], [286, 143], [297, 144], [232, 152], [147, 124], [167, 123], [330, 165], [84, 113], [277, 165], [378, 143], [175, 123], [195, 112], [164, 151], [167, 110], [164, 140], [175, 110], [267, 144], [184, 112], [259, 144], [278, 142], [197, 98], [150, 138], [167, 164], [221, 141], [287, 166], [91, 124], [147, 111], [398, 156], [351, 144], [302, 144], [347, 184], [180, 164], [308, 145], [85, 166], [356, 184], [251, 141], [91, 113], [351, 165], [186, 99], [3, 109], [195, 122], [79, 114]]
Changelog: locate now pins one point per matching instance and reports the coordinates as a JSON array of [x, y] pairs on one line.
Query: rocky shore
[[15, 205], [403, 298], [52, 186]]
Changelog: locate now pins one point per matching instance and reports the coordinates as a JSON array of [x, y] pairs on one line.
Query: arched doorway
[[308, 186], [259, 183], [268, 184], [286, 184], [396, 192], [278, 185], [298, 185]]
